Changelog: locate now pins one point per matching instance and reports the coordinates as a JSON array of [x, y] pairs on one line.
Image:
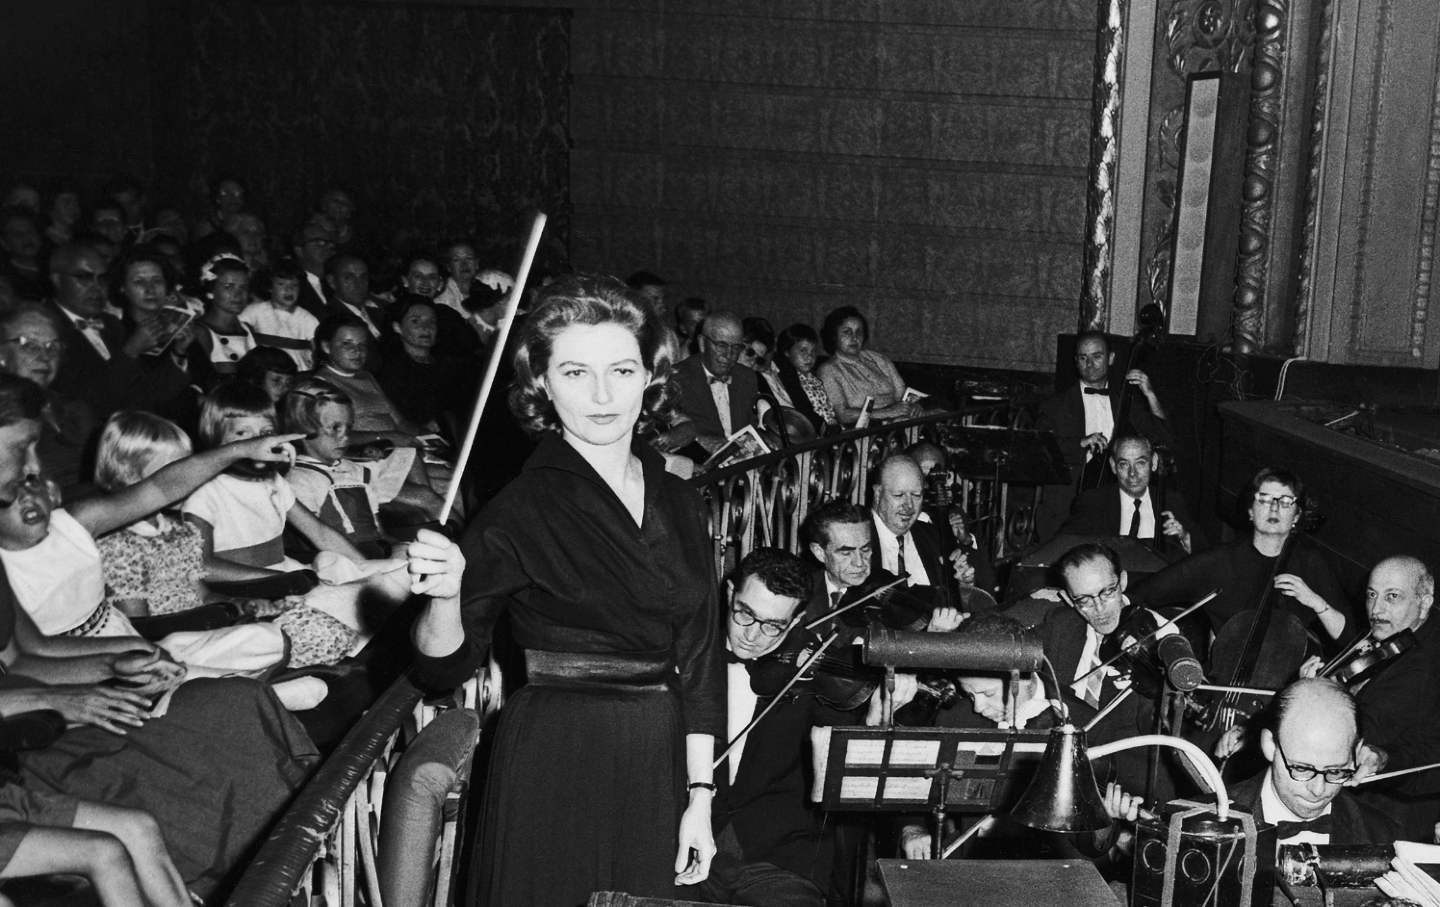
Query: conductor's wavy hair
[[589, 300]]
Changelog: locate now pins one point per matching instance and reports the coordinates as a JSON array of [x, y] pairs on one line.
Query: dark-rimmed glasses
[[1303, 773], [747, 618]]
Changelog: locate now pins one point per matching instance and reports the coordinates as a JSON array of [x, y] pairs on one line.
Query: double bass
[[1152, 326]]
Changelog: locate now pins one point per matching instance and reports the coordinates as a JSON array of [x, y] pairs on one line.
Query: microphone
[[1181, 666], [884, 646]]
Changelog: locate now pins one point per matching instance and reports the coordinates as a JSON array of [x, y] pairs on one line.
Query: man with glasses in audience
[[714, 393], [313, 248], [1314, 750], [30, 347]]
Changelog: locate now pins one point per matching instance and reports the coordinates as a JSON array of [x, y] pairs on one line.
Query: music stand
[[873, 769]]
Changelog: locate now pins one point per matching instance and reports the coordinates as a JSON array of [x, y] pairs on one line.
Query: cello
[[1256, 650]]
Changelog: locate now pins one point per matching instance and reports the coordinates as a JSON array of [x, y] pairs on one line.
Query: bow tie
[[1320, 825], [90, 324], [1102, 391], [732, 659], [720, 379]]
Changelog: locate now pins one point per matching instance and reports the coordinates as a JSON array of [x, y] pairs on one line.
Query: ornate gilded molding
[[1209, 35], [1305, 289], [1104, 158], [1247, 326], [1425, 265]]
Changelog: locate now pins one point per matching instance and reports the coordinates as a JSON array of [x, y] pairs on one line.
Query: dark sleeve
[[697, 644], [1184, 581], [493, 576]]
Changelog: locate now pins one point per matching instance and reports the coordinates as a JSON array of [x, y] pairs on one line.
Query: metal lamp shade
[[1063, 795]]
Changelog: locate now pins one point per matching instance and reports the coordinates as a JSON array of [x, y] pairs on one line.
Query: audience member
[[31, 348], [277, 320], [62, 215], [689, 312], [712, 391], [20, 248], [797, 346], [270, 369], [428, 390], [854, 374], [347, 277], [221, 338], [314, 246]]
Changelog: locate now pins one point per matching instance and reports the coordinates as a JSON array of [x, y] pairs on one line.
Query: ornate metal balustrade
[[763, 501], [323, 851]]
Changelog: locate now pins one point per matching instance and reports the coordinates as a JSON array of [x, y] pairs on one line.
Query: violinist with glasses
[[765, 831]]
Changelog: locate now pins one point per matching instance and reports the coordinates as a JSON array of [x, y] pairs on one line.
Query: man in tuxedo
[[1083, 418], [714, 393], [1313, 749], [1130, 507], [912, 547], [1078, 639], [100, 365], [766, 831]]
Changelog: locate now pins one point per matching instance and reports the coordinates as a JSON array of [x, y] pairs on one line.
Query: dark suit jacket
[[311, 301], [1354, 822], [1397, 711], [147, 382], [695, 400], [1096, 511], [1064, 414], [1063, 637]]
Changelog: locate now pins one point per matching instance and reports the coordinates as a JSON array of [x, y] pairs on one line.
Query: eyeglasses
[[723, 348], [319, 241], [32, 347], [1302, 773], [85, 276], [1283, 501], [1091, 602], [746, 618]]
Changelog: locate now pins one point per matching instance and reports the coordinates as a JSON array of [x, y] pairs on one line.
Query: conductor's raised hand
[[697, 841], [436, 565]]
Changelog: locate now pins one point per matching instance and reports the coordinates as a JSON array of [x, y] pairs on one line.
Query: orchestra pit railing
[[323, 852]]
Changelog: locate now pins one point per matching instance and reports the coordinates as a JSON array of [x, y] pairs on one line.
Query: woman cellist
[[1276, 506]]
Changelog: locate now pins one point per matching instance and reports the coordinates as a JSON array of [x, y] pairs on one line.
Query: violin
[[1367, 657], [838, 677]]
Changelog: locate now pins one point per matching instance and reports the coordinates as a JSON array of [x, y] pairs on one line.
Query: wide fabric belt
[[593, 667]]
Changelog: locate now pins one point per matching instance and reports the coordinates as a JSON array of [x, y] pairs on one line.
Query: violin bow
[[1155, 632], [855, 604], [512, 305], [799, 672]]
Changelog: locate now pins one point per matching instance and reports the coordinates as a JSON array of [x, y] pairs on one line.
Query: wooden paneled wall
[[922, 160]]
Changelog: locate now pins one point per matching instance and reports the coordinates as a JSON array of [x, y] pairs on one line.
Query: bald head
[[1315, 728], [1398, 596], [721, 338], [898, 494]]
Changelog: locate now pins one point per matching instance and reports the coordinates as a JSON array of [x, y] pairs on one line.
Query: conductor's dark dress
[[587, 778]]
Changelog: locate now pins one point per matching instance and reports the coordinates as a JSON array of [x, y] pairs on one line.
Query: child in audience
[[54, 566], [242, 516], [156, 565], [121, 851], [277, 319], [344, 494], [271, 369]]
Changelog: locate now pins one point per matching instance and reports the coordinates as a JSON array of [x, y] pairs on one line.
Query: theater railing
[[323, 850], [763, 500]]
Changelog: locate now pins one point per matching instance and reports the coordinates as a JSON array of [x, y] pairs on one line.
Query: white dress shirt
[[720, 390], [89, 333], [1147, 515], [1275, 811], [890, 550], [1098, 415], [740, 703]]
